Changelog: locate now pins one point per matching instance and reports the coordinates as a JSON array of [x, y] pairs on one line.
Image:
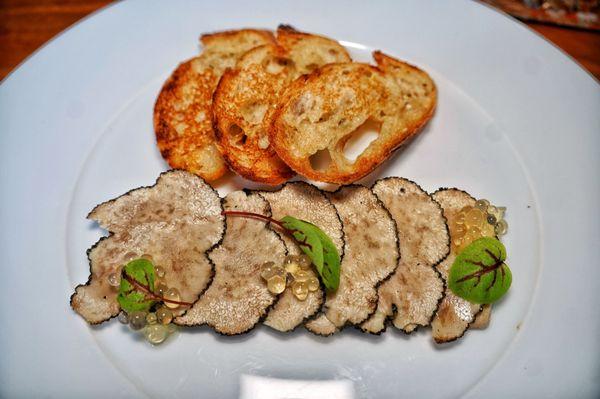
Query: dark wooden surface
[[25, 25]]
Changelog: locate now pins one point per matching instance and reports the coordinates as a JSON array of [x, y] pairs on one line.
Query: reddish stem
[[151, 294], [252, 215]]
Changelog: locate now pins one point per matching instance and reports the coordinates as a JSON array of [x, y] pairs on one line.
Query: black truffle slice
[[175, 221], [238, 297], [371, 254], [482, 320], [303, 201], [416, 288], [454, 314]]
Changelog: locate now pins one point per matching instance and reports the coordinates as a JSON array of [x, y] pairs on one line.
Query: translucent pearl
[[151, 318], [491, 219], [160, 271], [289, 279], [172, 328], [300, 290], [460, 218], [266, 270], [304, 261], [482, 204], [501, 227], [301, 276], [161, 288], [474, 217], [156, 333], [114, 279], [137, 320], [123, 319], [492, 210], [164, 315], [474, 232], [172, 294], [129, 256], [276, 284], [279, 271], [459, 230], [313, 284], [289, 260], [290, 264]]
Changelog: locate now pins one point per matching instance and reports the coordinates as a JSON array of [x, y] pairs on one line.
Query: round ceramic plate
[[517, 122]]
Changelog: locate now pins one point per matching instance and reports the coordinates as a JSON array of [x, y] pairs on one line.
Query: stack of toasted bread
[[267, 105]]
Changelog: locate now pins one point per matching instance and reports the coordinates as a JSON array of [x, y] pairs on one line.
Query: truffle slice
[[175, 221], [371, 254], [454, 314], [321, 326], [238, 297], [482, 320], [303, 201], [416, 288]]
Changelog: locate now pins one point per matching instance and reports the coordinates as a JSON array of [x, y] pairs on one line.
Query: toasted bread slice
[[183, 109], [246, 97], [321, 111]]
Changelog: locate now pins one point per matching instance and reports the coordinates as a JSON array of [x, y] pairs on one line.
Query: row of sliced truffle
[[393, 239]]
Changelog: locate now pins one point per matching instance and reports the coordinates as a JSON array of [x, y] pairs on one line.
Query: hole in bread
[[357, 142], [311, 67], [277, 65], [320, 160], [254, 112], [237, 135]]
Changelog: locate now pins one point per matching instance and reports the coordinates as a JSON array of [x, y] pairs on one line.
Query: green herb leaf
[[319, 248], [307, 238], [479, 273], [330, 273], [132, 298]]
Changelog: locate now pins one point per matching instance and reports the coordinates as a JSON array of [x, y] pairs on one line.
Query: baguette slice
[[247, 95], [320, 112], [183, 109]]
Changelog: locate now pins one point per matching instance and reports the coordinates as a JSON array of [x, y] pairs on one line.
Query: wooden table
[[25, 25]]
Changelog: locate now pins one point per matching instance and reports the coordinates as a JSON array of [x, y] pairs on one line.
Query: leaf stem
[[151, 294], [252, 215]]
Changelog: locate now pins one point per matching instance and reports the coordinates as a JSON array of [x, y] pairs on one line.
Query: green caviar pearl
[[137, 320], [151, 318], [156, 333], [123, 319], [114, 279], [160, 271], [164, 315], [482, 204], [501, 227]]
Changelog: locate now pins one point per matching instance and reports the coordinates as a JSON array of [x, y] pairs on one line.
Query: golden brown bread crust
[[320, 111], [242, 101], [246, 97], [183, 109]]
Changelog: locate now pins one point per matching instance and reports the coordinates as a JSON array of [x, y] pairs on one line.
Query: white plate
[[517, 122]]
